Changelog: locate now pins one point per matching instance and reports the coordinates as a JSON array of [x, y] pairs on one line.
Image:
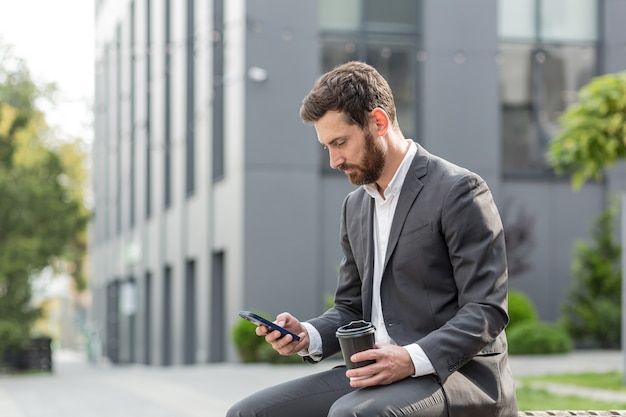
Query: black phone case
[[260, 321]]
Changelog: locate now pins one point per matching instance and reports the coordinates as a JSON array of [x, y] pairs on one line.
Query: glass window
[[519, 144], [382, 34], [337, 50], [395, 60], [344, 15], [516, 19], [394, 16], [537, 84], [540, 75], [548, 20], [566, 68], [217, 134], [569, 20]]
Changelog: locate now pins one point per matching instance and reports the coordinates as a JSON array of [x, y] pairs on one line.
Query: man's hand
[[285, 345], [393, 363]]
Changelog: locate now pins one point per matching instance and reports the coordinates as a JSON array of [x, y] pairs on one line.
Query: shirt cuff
[[315, 343], [422, 364]]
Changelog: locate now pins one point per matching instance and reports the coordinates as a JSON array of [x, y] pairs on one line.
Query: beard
[[372, 165]]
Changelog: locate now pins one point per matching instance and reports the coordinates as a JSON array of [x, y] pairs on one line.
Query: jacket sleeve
[[474, 236]]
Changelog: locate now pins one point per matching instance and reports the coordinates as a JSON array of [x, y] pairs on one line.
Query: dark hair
[[354, 89]]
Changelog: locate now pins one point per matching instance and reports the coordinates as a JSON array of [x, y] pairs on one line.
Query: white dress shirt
[[383, 218]]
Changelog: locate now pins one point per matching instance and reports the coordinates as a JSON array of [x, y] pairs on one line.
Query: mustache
[[344, 167]]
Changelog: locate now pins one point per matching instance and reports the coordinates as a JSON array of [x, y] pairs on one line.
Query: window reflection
[[537, 84], [337, 50], [568, 20], [341, 16], [395, 16], [382, 34], [547, 53], [396, 62]]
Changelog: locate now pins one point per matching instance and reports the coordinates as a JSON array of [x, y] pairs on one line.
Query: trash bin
[[40, 354]]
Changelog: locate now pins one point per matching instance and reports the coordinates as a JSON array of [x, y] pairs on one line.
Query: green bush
[[253, 348], [267, 354], [538, 337], [521, 309], [593, 311], [246, 341]]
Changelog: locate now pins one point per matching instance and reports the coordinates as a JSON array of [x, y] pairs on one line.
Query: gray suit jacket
[[444, 283]]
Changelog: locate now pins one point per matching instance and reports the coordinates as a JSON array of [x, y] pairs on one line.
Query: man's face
[[356, 152]]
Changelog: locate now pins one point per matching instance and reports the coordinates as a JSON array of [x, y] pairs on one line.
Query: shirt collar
[[395, 185]]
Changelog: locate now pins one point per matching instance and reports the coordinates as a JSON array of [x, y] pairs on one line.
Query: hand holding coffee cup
[[354, 337]]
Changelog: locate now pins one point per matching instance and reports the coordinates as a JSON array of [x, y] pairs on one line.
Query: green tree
[[592, 313], [593, 137], [593, 134], [42, 215]]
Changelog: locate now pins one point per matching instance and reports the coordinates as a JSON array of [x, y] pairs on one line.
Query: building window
[[166, 319], [190, 312], [190, 165], [148, 73], [548, 51], [112, 343], [167, 128], [118, 130], [105, 191], [133, 138], [383, 35], [218, 91], [128, 309], [147, 322], [217, 331]]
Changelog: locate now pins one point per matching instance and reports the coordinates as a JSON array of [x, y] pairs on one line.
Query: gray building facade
[[211, 196]]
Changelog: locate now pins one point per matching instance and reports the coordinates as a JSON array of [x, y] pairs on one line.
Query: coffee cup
[[354, 337]]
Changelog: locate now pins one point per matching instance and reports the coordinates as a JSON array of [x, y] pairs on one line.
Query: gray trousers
[[329, 394]]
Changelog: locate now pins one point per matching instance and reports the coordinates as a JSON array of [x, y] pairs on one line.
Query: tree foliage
[[42, 215], [592, 314], [593, 135]]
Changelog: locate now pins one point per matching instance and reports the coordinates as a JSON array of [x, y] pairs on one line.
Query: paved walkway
[[79, 389]]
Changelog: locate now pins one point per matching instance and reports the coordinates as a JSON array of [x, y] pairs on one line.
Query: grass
[[529, 398], [613, 381]]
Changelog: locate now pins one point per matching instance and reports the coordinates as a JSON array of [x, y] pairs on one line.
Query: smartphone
[[260, 321]]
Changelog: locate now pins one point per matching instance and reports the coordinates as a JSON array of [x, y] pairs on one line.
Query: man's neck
[[398, 149]]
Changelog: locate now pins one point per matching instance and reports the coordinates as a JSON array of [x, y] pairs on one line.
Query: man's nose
[[335, 159]]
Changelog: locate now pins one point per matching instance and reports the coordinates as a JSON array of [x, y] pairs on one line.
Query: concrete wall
[[458, 85], [281, 160], [561, 217]]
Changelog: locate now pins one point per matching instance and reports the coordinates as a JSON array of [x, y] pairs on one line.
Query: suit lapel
[[410, 189], [367, 213]]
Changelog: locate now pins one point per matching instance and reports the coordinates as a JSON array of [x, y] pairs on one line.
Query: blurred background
[[156, 177]]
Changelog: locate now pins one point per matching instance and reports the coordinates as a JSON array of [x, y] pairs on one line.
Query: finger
[[366, 355], [285, 346], [261, 330], [284, 317], [362, 379], [285, 341], [367, 370]]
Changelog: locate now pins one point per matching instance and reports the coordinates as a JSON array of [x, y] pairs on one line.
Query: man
[[423, 260]]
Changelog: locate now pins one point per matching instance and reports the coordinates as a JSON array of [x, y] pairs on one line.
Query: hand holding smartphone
[[261, 321]]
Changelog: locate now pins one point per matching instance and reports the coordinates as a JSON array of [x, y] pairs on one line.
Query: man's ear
[[382, 121]]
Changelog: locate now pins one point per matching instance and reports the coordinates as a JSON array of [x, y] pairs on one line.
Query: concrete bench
[[572, 413]]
